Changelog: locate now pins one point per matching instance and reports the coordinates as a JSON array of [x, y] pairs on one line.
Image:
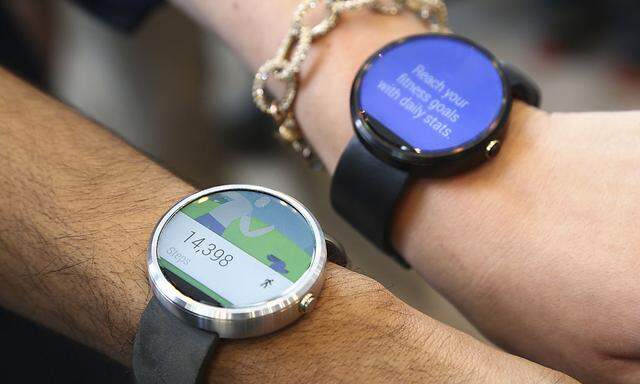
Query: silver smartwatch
[[232, 261]]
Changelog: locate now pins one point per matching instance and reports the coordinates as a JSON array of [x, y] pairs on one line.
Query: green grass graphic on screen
[[273, 249]]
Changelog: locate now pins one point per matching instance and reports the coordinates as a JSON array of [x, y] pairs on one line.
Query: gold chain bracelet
[[286, 64]]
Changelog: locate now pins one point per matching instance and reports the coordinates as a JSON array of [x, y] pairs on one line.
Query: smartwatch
[[429, 105], [233, 261]]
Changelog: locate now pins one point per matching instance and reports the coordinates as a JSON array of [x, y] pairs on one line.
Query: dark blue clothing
[[124, 14]]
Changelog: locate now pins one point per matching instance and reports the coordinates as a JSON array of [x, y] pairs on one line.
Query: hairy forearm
[[76, 208]]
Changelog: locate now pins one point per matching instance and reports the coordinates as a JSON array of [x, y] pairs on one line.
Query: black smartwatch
[[233, 261], [429, 105]]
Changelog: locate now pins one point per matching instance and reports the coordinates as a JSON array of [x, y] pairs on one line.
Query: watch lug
[[336, 252], [522, 87]]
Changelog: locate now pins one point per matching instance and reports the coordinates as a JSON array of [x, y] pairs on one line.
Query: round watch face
[[236, 248], [429, 96]]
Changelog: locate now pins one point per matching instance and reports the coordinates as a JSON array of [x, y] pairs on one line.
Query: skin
[[76, 208], [539, 247]]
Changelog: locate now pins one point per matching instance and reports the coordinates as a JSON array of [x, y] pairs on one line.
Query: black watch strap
[[365, 189], [522, 87], [167, 350]]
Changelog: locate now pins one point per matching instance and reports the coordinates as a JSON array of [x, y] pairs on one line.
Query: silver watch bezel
[[246, 321]]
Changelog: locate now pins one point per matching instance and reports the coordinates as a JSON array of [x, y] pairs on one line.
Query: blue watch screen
[[431, 93]]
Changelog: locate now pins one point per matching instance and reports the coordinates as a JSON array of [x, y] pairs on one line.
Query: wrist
[[454, 230], [323, 109], [322, 106], [393, 341]]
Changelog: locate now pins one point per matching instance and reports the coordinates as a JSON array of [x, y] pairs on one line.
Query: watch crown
[[307, 303], [492, 149]]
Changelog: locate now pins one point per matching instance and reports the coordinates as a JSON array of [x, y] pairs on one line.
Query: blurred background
[[177, 93]]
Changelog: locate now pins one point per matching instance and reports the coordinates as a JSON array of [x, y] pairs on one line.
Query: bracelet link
[[274, 107], [322, 27], [293, 50], [433, 12], [391, 7], [289, 132]]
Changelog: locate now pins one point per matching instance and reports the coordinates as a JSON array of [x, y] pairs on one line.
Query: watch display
[[430, 94], [235, 248]]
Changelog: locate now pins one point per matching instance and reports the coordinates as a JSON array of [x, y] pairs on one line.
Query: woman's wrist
[[323, 111], [454, 230], [440, 223], [322, 106]]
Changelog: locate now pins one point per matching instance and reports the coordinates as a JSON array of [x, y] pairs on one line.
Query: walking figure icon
[[266, 283]]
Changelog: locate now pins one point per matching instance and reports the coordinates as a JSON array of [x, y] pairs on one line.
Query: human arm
[[538, 247], [77, 206]]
